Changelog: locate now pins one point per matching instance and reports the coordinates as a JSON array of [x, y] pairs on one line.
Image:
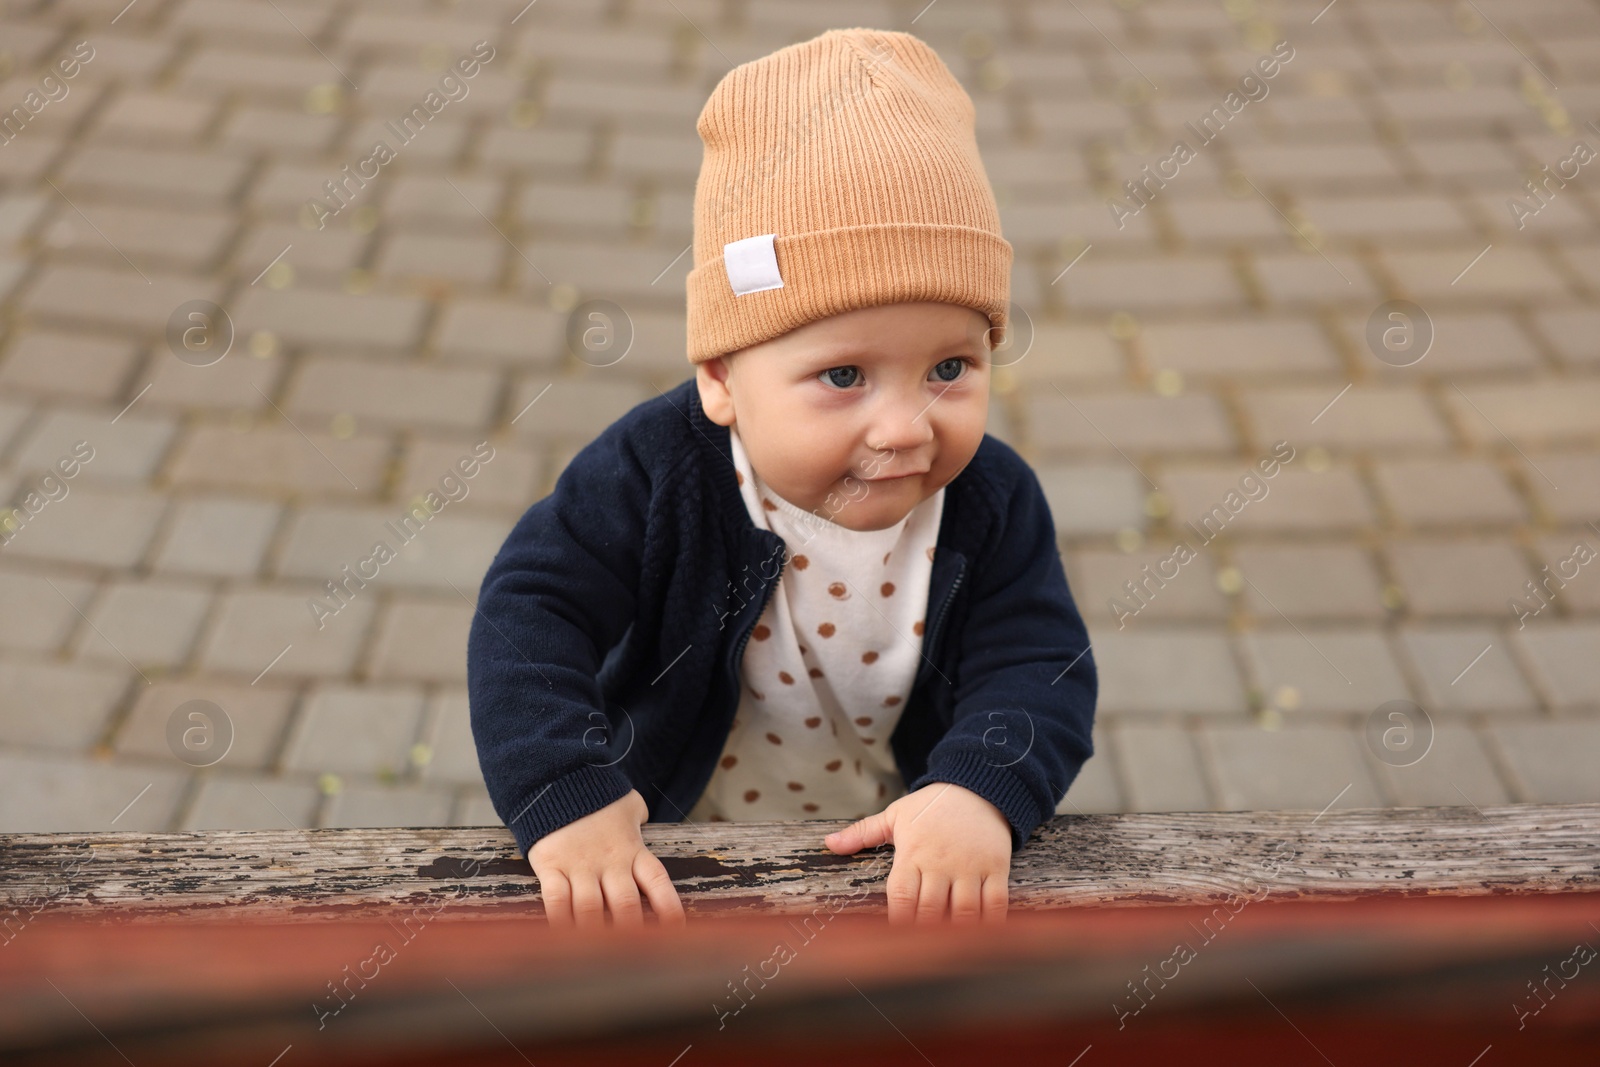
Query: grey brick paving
[[53, 793], [1301, 767], [1562, 655], [1318, 670], [1096, 788], [389, 806], [357, 731], [1423, 492], [1467, 668], [1309, 581], [1150, 668], [1162, 768], [150, 622], [1534, 750], [419, 640], [220, 536], [258, 716], [127, 452], [233, 802], [1231, 312], [40, 611], [58, 705], [1456, 771], [452, 757], [1459, 577]]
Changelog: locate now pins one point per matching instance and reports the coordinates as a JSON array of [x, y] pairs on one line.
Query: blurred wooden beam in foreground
[[1429, 980], [1426, 935], [782, 868]]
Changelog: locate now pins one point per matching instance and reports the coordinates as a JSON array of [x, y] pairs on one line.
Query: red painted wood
[[1374, 980]]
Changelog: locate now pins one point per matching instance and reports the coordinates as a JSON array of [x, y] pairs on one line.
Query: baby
[[804, 584]]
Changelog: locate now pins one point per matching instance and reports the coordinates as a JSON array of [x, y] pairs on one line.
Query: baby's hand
[[599, 861], [952, 851]]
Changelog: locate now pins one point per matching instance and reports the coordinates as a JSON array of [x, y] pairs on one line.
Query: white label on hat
[[752, 264]]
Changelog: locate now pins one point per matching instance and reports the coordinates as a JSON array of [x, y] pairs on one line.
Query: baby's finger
[[933, 898], [995, 891], [902, 888], [870, 832], [556, 893], [588, 901], [651, 875], [966, 900], [622, 897]]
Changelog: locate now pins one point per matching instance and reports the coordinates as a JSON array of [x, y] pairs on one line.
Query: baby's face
[[861, 416]]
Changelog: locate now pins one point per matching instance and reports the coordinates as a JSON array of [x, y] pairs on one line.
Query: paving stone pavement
[[1428, 532]]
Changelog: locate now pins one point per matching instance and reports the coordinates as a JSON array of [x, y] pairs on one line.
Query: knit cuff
[[567, 799], [994, 783]]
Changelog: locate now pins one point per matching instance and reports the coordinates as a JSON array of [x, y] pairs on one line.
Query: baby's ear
[[711, 378]]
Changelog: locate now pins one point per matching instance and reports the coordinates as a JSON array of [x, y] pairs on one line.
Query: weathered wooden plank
[[782, 868]]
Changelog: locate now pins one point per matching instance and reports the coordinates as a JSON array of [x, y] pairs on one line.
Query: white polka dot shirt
[[828, 668]]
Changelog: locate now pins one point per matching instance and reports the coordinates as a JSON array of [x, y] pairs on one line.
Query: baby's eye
[[843, 377], [949, 370]]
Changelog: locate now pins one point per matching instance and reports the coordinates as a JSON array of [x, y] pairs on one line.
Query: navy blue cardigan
[[604, 655]]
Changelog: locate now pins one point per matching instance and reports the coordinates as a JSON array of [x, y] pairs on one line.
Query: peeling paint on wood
[[782, 868]]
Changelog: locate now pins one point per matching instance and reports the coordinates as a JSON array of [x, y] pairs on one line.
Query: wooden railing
[[782, 867]]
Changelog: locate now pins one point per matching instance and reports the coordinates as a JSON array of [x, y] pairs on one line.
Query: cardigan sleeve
[[1026, 682], [559, 595]]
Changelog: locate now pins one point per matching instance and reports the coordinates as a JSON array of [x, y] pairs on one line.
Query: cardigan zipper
[[738, 652], [938, 623]]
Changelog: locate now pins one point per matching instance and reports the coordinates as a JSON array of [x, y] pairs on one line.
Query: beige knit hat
[[839, 173]]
